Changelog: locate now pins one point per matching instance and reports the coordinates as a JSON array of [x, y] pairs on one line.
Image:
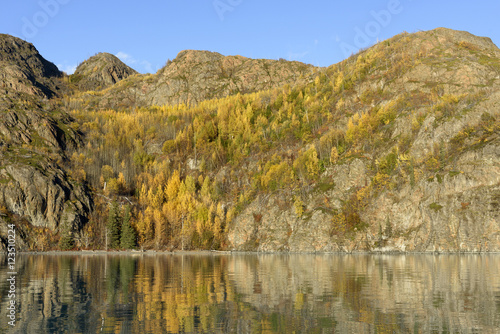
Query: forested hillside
[[395, 148]]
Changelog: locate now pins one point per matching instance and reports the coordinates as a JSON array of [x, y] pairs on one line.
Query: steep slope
[[99, 72], [194, 76], [395, 148], [36, 191], [418, 122], [23, 69]]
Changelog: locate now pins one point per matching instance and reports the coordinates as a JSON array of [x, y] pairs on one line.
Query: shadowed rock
[[100, 71]]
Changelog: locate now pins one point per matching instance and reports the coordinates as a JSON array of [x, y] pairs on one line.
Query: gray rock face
[[34, 140], [23, 69], [454, 207], [446, 213], [194, 76], [459, 213], [45, 197], [32, 184], [35, 127], [278, 228], [100, 71]]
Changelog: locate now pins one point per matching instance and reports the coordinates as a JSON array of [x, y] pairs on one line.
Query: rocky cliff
[[35, 140], [194, 76], [99, 72], [34, 181], [23, 69], [394, 149], [441, 194]]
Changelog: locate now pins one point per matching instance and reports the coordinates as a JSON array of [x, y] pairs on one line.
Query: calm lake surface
[[253, 293]]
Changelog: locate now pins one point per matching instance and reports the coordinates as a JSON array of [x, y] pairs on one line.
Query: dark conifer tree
[[114, 226], [128, 235]]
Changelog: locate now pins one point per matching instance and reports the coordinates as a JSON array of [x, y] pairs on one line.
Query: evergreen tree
[[128, 236], [66, 240], [114, 226]]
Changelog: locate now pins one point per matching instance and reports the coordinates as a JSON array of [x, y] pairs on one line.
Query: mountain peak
[[101, 71], [16, 50], [457, 36], [23, 69], [194, 76], [190, 54]]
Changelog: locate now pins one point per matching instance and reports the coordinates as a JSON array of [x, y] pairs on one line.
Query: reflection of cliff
[[255, 293], [354, 292]]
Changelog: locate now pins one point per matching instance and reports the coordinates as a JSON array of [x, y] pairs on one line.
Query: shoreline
[[237, 252]]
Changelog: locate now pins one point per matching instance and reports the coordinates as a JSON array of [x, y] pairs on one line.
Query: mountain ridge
[[25, 70], [194, 76], [394, 149], [454, 205]]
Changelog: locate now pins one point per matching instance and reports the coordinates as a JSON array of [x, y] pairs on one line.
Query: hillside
[[99, 72], [24, 70], [36, 192], [393, 149], [194, 76], [416, 155], [42, 188]]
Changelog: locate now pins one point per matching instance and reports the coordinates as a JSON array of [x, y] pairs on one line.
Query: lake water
[[253, 293]]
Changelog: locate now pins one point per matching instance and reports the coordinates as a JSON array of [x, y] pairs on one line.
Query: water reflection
[[254, 294]]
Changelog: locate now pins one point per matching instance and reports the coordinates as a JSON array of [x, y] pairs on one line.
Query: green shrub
[[435, 206]]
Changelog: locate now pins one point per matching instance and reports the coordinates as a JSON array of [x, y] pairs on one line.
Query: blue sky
[[145, 35]]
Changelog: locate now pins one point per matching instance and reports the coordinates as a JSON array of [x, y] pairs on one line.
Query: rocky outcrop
[[24, 70], [32, 184], [450, 203], [100, 71], [456, 211], [194, 76], [44, 195], [35, 139], [270, 223], [38, 128]]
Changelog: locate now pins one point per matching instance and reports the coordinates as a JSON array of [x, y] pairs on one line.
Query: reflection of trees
[[365, 293], [53, 296], [255, 293]]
